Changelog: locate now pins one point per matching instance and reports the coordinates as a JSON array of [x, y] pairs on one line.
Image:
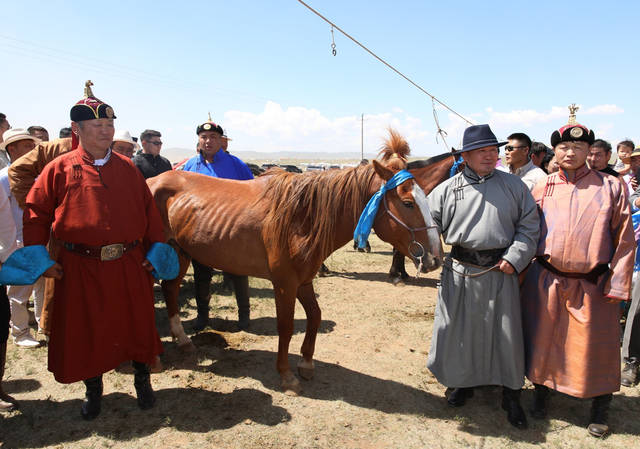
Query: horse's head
[[403, 217], [404, 221]]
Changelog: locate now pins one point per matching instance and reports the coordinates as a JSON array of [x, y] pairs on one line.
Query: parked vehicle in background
[[255, 169], [314, 167], [291, 168]]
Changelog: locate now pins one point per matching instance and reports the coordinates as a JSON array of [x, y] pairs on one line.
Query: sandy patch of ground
[[371, 389]]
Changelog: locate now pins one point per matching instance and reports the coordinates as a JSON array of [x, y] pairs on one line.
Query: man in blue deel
[[213, 160]]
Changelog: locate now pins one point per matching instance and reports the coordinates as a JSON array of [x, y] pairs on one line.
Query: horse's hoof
[[291, 386], [306, 370], [398, 282], [187, 346]]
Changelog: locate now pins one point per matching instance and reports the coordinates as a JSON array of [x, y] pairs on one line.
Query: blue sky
[[265, 71]]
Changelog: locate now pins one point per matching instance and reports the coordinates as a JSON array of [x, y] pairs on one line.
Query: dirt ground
[[371, 388]]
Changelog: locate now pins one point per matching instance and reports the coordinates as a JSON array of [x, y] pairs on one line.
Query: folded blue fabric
[[25, 265], [365, 223], [164, 260], [454, 168]]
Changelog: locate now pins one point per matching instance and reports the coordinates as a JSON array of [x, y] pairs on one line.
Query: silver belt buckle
[[111, 252]]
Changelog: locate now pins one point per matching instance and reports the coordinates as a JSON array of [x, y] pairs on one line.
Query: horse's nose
[[431, 263]]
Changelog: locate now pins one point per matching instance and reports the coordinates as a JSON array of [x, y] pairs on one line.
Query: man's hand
[[634, 183], [147, 265], [55, 271], [506, 267]]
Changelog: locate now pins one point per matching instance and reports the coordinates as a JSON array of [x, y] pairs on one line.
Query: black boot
[[458, 396], [92, 398], [540, 397], [202, 275], [7, 403], [629, 375], [599, 409], [142, 382], [241, 287], [511, 404]]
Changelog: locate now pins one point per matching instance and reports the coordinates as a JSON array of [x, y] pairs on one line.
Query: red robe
[[103, 311]]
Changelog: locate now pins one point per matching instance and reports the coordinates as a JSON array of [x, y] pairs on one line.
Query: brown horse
[[282, 227]]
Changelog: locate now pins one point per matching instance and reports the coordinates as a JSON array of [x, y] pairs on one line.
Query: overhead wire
[[385, 62], [434, 99]]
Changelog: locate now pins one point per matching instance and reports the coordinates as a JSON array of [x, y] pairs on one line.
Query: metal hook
[[333, 43]]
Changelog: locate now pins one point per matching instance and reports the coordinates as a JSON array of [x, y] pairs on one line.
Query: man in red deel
[[97, 206]]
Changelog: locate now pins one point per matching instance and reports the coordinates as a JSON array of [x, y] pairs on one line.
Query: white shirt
[[7, 229], [529, 173]]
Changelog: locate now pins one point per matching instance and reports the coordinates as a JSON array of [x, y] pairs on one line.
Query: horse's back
[[214, 220]]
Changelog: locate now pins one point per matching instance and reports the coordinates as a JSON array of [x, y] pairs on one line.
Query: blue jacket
[[224, 165]]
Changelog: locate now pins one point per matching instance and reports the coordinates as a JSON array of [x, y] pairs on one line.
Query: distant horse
[[282, 226]]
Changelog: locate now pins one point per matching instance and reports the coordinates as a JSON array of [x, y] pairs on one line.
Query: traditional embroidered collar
[[468, 172]]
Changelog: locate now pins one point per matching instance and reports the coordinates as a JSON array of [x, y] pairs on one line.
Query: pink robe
[[571, 331]]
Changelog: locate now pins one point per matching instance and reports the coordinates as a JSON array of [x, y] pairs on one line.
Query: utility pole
[[362, 137]]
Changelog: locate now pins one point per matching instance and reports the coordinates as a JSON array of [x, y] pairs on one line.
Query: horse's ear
[[382, 171]]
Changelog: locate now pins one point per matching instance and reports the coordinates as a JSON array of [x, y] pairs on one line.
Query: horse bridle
[[414, 244]]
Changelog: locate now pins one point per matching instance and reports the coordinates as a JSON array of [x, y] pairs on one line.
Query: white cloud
[[604, 109], [524, 117], [298, 128], [530, 117], [603, 130], [302, 129]]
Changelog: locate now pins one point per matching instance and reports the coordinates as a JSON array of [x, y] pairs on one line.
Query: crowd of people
[[543, 251]]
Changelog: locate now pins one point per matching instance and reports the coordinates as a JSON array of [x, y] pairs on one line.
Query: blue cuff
[[25, 265], [164, 260]]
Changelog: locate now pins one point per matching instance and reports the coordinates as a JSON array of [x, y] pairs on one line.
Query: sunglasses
[[509, 148], [157, 142]]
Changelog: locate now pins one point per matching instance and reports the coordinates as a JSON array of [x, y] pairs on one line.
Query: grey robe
[[477, 330]]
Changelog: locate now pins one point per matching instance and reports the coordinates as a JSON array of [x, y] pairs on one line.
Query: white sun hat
[[122, 135], [14, 135]]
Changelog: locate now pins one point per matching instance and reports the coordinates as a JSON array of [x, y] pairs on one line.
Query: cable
[[383, 61]]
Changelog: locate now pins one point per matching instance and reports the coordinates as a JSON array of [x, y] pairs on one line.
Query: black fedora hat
[[478, 136]]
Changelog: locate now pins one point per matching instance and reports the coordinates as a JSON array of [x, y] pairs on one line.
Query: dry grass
[[371, 389]]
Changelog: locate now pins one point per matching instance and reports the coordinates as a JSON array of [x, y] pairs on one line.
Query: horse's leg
[[170, 290], [285, 307], [398, 273], [307, 297]]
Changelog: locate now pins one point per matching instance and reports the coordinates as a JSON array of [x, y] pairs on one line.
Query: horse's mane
[[304, 209], [395, 151]]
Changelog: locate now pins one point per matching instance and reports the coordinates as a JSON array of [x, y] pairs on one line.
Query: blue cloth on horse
[[365, 223], [454, 168], [25, 265], [224, 165], [164, 260]]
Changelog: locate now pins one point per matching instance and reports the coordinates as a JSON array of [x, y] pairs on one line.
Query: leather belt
[[592, 276], [483, 258], [104, 253]]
